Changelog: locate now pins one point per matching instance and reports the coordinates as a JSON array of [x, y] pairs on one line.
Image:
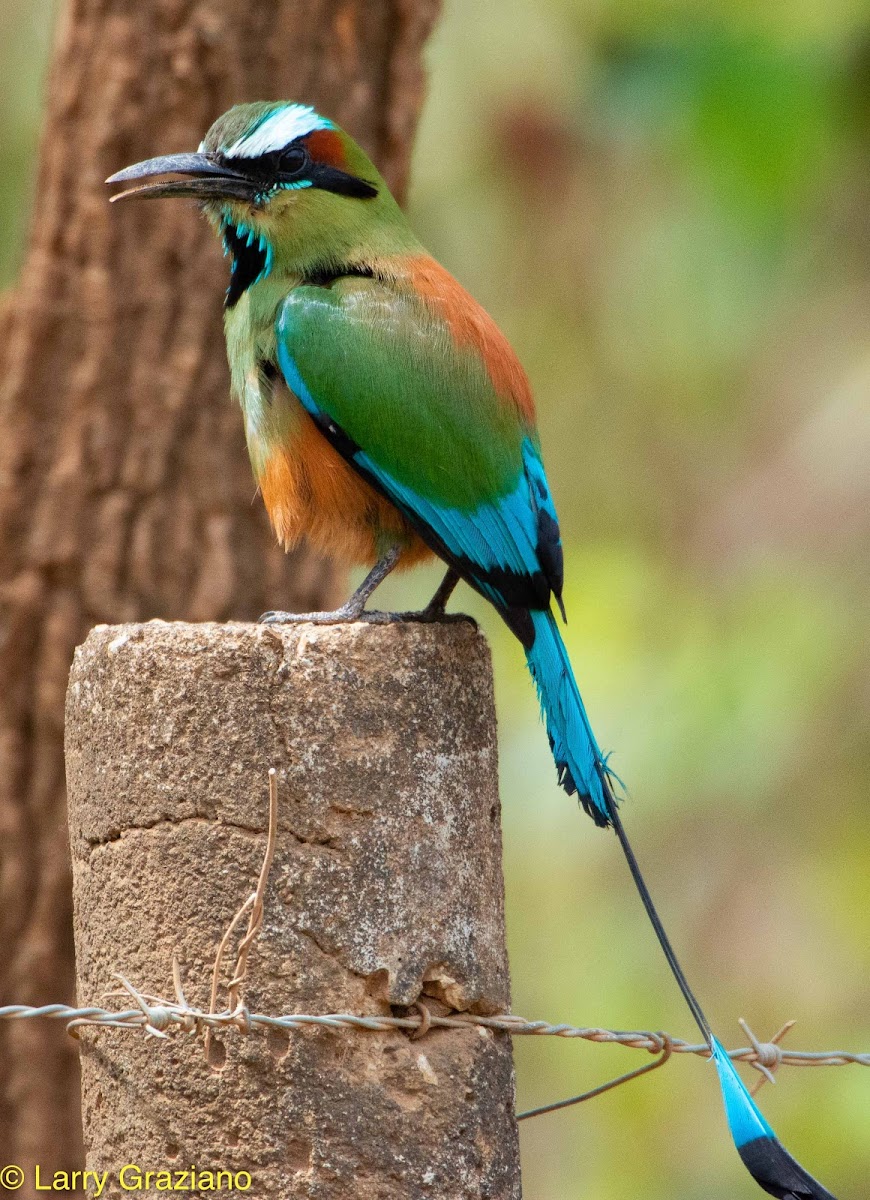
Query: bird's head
[[288, 191]]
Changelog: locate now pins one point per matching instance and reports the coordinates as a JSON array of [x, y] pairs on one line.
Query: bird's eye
[[292, 161]]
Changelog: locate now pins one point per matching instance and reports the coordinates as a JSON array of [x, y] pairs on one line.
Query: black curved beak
[[208, 179]]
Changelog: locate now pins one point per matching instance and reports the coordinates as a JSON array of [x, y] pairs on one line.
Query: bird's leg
[[353, 609], [434, 610]]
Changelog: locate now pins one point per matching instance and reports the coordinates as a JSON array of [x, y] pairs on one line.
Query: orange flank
[[470, 325], [309, 489]]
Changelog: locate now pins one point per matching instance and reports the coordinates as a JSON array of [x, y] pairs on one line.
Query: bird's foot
[[432, 615], [355, 608], [340, 616]]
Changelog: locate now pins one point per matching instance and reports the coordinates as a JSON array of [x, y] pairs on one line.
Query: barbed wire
[[158, 1017]]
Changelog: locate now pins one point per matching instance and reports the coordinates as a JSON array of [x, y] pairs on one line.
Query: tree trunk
[[125, 491]]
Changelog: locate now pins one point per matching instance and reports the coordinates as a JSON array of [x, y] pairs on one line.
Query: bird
[[389, 421]]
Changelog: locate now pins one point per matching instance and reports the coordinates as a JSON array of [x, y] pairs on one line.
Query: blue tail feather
[[583, 768], [763, 1155], [580, 763]]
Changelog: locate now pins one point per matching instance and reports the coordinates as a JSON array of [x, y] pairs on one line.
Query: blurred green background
[[666, 205]]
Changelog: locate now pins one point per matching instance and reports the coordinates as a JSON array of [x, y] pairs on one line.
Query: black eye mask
[[294, 167]]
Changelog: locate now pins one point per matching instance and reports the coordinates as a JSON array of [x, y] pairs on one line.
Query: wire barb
[[768, 1054]]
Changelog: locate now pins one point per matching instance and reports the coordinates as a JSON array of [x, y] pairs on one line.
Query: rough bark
[[386, 888], [124, 487]]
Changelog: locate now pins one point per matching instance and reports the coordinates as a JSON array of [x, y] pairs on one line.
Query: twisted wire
[[159, 1017]]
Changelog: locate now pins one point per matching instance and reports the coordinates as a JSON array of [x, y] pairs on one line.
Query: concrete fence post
[[386, 889]]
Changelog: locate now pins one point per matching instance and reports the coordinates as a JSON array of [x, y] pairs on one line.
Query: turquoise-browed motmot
[[387, 420]]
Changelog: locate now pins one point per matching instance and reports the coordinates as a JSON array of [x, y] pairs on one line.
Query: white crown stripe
[[277, 131]]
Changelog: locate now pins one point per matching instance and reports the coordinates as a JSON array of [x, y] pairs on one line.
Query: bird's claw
[[341, 616]]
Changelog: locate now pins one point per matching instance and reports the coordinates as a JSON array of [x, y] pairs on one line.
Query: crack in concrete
[[326, 842], [96, 843], [332, 955], [382, 995]]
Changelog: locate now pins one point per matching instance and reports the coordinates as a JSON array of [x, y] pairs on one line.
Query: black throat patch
[[250, 261]]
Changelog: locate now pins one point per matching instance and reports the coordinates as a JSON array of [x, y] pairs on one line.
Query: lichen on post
[[386, 889]]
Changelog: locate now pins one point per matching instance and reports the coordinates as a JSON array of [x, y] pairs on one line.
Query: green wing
[[419, 417]]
